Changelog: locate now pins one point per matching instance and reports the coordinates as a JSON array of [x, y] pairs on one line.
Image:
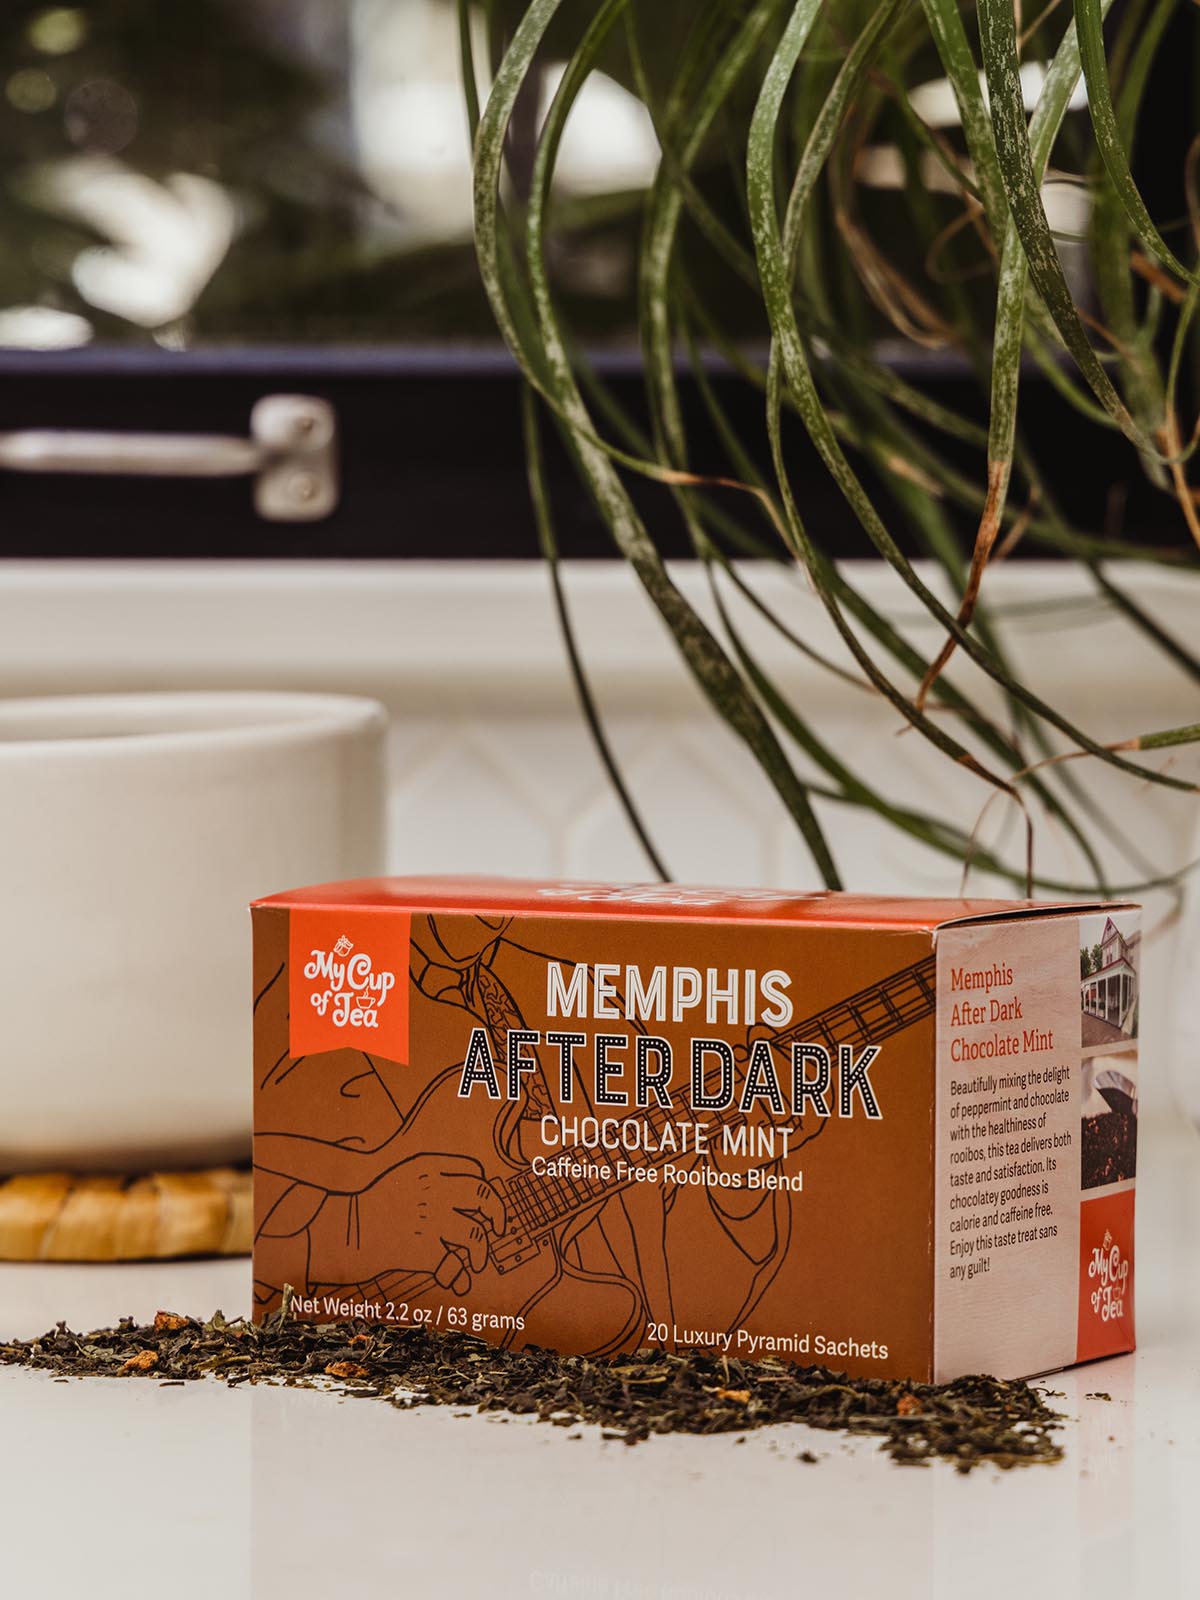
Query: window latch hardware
[[290, 452]]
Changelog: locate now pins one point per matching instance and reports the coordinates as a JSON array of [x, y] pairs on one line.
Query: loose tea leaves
[[629, 1398]]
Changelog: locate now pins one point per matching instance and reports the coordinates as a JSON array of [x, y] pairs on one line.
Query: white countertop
[[111, 1489]]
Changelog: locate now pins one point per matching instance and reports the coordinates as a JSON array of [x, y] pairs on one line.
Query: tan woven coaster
[[58, 1216]]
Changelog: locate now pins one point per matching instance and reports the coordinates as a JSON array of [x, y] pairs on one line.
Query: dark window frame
[[432, 462]]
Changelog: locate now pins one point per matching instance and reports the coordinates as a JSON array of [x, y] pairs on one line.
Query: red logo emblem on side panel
[[1105, 1276]]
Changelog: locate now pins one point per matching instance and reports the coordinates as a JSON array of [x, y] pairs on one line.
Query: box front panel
[[603, 1134]]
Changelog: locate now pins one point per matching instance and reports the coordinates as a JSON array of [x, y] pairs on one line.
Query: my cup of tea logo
[[349, 982], [354, 992], [1108, 1272], [1106, 1275]]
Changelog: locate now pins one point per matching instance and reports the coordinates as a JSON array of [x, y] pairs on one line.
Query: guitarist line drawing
[[449, 1203]]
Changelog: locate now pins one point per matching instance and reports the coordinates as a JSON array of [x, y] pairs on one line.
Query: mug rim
[[139, 722]]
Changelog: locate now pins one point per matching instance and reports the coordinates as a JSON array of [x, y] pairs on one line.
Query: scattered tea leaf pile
[[967, 1422]]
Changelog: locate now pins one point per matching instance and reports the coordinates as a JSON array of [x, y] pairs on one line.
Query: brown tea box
[[892, 1137]]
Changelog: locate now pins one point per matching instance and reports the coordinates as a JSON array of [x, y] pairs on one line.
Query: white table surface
[[127, 1488]]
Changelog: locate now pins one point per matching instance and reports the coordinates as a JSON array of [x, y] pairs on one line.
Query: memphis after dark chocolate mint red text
[[770, 1074]]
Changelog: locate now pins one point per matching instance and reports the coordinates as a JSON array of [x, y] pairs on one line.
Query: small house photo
[[1109, 956]]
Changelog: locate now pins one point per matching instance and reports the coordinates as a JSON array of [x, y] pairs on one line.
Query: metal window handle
[[291, 452]]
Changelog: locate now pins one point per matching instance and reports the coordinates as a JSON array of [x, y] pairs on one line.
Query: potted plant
[[771, 119]]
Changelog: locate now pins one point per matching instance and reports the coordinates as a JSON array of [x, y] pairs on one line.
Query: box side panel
[[506, 1176], [1110, 1001], [1017, 1093]]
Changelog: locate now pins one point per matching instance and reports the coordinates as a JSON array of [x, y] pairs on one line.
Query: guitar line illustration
[[537, 1205], [544, 1213]]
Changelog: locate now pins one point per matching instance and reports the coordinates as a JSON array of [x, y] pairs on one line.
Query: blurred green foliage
[[211, 87]]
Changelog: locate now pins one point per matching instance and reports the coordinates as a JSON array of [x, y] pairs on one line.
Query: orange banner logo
[[348, 982]]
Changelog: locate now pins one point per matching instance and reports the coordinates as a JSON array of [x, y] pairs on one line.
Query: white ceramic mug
[[134, 831]]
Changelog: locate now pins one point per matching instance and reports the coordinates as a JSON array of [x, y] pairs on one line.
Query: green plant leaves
[[1089, 22], [764, 112], [552, 373], [1022, 162]]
